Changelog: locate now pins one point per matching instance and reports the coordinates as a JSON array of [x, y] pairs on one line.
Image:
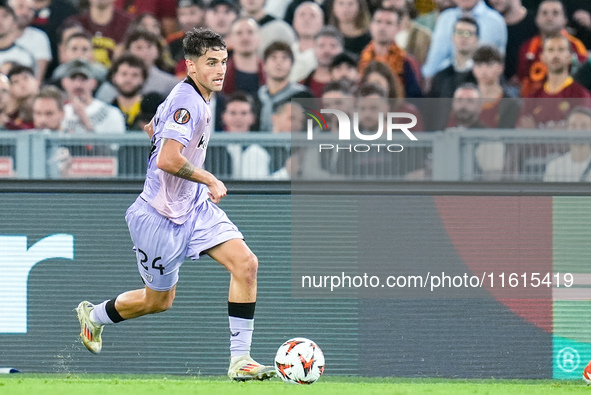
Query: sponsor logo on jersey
[[173, 126], [202, 144], [182, 116]]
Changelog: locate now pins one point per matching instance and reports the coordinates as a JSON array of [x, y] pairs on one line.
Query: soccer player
[[173, 219]]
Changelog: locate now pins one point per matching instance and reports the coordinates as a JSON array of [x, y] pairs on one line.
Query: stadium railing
[[453, 155]]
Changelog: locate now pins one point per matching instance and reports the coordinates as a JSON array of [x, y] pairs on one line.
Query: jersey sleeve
[[180, 120]]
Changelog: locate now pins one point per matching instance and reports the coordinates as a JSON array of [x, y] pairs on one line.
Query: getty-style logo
[[345, 128]]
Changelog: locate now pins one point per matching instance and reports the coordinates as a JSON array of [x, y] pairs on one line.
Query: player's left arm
[[171, 160]]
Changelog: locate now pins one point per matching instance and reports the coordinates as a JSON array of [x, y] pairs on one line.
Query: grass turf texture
[[89, 384]]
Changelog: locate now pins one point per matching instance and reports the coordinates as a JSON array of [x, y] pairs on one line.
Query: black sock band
[[112, 311], [241, 310]]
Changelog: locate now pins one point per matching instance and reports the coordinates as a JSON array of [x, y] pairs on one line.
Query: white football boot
[[244, 368], [90, 333]]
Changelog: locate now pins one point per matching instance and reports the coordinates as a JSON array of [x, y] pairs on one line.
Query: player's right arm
[[171, 160]]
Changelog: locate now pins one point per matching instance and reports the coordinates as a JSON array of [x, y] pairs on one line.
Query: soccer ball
[[587, 374], [299, 361]]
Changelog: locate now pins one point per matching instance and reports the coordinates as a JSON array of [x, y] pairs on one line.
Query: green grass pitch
[[89, 384]]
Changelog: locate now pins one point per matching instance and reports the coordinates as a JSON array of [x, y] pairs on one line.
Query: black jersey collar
[[189, 80]]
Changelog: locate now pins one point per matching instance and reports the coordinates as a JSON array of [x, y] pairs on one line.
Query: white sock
[[240, 336], [99, 315]]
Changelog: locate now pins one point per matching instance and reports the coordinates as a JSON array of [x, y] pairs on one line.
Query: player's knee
[[159, 305], [247, 269]]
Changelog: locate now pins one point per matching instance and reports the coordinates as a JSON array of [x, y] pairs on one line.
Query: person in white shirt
[[84, 113], [575, 165], [31, 38]]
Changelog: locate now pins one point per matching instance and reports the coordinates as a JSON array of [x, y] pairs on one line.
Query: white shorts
[[162, 246]]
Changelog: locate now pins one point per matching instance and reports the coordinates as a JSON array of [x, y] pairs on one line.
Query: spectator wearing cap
[[271, 28], [128, 75], [83, 113], [493, 30], [108, 27], [50, 16], [308, 20], [328, 43], [190, 14], [344, 67], [23, 88], [278, 60], [244, 68], [31, 38], [163, 10], [382, 48], [10, 50]]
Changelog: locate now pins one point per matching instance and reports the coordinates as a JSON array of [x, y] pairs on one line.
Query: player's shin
[[241, 317]]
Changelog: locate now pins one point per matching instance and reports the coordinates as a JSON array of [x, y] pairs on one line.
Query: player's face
[[278, 65], [488, 73], [550, 18], [307, 20], [190, 17], [46, 114], [128, 80], [384, 27], [556, 55], [238, 117], [326, 48], [78, 48], [208, 71]]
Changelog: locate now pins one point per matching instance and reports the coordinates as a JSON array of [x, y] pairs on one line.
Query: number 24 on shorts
[[145, 259]]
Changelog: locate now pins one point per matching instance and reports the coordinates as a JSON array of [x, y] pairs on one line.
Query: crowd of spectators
[[525, 61]]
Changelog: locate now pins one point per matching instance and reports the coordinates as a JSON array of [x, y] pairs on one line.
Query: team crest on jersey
[[181, 116]]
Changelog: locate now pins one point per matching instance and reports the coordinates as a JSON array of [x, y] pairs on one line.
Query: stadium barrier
[[453, 155]]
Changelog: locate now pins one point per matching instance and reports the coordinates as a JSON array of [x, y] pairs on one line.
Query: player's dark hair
[[53, 93], [469, 20], [488, 54], [278, 46], [17, 69], [198, 41], [369, 89]]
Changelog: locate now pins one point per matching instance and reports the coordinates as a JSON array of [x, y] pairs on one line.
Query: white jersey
[[185, 117]]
